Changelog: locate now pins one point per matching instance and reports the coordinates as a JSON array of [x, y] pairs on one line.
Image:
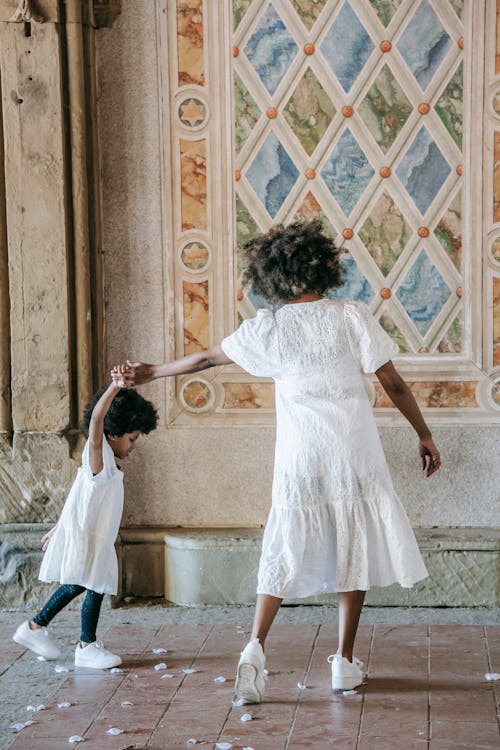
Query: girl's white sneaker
[[36, 640], [346, 675], [250, 679], [95, 656]]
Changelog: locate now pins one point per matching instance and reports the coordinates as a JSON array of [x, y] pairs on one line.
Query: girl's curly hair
[[289, 261], [128, 412]]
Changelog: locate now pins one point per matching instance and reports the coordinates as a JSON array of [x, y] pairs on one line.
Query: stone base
[[219, 566]]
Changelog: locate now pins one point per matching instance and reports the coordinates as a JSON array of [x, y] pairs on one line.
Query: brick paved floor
[[426, 690]]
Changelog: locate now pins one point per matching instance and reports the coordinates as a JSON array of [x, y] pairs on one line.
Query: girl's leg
[[266, 609], [350, 606], [59, 599], [90, 615]]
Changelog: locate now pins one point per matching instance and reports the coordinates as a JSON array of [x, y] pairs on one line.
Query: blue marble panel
[[424, 43], [355, 286], [258, 301], [347, 172], [423, 170], [423, 292], [272, 174], [271, 49], [346, 46]]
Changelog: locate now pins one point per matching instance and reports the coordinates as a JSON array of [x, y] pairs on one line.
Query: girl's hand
[[431, 460], [118, 375], [139, 373], [47, 537]]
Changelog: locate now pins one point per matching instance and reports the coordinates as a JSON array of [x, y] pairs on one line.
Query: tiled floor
[[426, 691]]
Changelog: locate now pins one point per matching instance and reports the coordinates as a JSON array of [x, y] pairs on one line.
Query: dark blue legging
[[64, 595]]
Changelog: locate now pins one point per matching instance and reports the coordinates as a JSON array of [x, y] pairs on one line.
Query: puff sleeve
[[370, 344], [254, 345]]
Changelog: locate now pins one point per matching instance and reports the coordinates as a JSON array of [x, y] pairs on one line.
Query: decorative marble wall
[[353, 112]]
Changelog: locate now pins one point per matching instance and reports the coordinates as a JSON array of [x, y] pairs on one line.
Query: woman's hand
[[431, 460], [47, 537]]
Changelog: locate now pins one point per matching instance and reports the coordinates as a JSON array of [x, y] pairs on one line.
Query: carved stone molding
[[105, 12]]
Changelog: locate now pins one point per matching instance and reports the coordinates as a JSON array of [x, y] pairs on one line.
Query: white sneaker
[[37, 640], [346, 675], [250, 679], [95, 656]]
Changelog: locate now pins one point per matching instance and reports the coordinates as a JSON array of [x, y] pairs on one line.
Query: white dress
[[336, 523], [82, 550]]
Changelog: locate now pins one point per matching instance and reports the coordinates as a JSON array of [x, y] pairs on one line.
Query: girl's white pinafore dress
[[82, 550], [336, 523]]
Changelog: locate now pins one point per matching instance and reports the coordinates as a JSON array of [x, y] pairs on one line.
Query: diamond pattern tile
[[356, 286], [423, 170], [385, 109], [385, 233], [424, 44], [309, 111], [450, 106], [272, 174], [423, 292], [394, 332], [271, 49], [309, 10], [247, 113], [449, 230], [347, 46], [385, 9], [347, 172]]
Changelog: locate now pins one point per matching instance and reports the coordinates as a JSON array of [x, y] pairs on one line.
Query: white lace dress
[[336, 523]]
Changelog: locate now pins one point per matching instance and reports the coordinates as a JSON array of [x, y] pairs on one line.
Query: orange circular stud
[[237, 175], [236, 51], [458, 291], [460, 42], [309, 49], [385, 172], [424, 108], [347, 233], [347, 111], [423, 232], [385, 293], [385, 46], [458, 170], [310, 174], [272, 113], [239, 295], [423, 350]]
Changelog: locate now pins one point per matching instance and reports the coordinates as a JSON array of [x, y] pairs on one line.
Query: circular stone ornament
[[197, 395], [192, 113], [195, 256]]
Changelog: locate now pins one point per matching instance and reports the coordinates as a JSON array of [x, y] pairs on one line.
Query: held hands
[[132, 374], [431, 460]]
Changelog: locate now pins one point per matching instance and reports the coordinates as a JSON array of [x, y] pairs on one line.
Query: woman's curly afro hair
[[128, 412], [287, 262]]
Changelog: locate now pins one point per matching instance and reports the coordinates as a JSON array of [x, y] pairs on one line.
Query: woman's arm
[[96, 426], [138, 373], [401, 396]]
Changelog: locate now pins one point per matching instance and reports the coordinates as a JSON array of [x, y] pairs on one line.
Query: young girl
[[80, 549], [336, 523]]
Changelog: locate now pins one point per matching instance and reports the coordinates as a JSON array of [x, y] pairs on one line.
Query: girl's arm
[[401, 396], [96, 426], [138, 373]]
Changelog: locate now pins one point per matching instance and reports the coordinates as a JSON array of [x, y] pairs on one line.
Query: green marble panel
[[457, 6], [246, 230], [246, 113], [385, 233], [391, 328], [309, 10], [450, 106], [451, 342], [240, 7], [385, 109], [385, 9], [309, 111], [449, 230]]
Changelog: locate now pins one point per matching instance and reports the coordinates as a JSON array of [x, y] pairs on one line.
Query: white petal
[[246, 717], [116, 670], [167, 676], [219, 679], [301, 686], [76, 738], [114, 730], [239, 702], [59, 668], [189, 671], [223, 746], [192, 741], [490, 676], [126, 703], [162, 665], [41, 658], [159, 650], [64, 704]]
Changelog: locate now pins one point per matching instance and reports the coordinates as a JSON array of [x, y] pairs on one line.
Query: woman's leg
[[90, 615], [59, 599], [350, 606], [266, 609]]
